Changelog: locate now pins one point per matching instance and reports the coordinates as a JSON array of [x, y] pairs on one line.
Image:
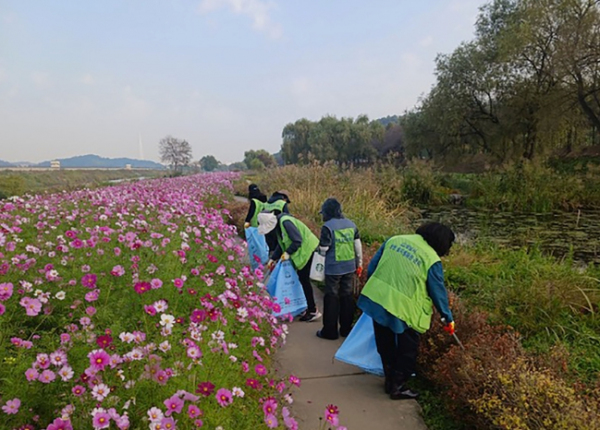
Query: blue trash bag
[[284, 285], [359, 348], [258, 251]]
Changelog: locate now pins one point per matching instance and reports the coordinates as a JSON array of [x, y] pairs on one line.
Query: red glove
[[359, 271], [449, 328]]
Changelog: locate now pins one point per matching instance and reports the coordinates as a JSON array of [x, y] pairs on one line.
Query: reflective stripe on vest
[[309, 241], [340, 258], [258, 208], [399, 282]]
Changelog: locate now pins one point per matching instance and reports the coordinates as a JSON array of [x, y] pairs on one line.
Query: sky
[[97, 77]]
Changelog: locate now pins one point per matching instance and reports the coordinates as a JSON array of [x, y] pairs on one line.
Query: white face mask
[[267, 222]]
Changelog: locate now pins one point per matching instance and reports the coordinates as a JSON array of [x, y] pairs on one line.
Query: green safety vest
[[399, 283], [277, 205], [258, 208], [309, 242]]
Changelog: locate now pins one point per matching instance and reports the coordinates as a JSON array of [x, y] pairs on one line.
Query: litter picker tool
[[454, 335]]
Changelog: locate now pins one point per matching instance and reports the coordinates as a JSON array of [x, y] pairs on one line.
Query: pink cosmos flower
[[294, 380], [173, 404], [89, 280], [104, 341], [65, 338], [12, 406], [32, 306], [178, 282], [2, 309], [270, 406], [271, 421], [99, 359], [224, 397], [78, 390], [332, 419], [42, 361], [31, 374], [117, 271], [6, 291], [156, 283], [90, 310], [194, 411], [47, 376], [141, 287], [150, 310], [168, 423], [59, 424], [260, 369], [101, 420]]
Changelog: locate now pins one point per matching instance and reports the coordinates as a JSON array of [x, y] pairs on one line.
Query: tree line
[[348, 141], [527, 86]]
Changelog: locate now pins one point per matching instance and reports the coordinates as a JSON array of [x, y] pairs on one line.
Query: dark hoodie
[[331, 209]]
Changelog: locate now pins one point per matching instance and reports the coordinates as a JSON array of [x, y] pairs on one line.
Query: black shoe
[[403, 393], [310, 316], [320, 335]]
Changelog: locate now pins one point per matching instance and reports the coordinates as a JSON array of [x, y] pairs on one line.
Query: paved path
[[363, 404]]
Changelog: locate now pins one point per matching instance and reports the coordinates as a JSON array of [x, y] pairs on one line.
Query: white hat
[[267, 221]]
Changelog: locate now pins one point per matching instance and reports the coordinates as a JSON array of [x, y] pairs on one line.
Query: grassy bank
[[529, 322], [33, 182]]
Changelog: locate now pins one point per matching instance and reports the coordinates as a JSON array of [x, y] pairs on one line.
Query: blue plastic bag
[[258, 251], [285, 286], [359, 348]]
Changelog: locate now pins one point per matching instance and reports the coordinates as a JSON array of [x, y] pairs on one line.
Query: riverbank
[[521, 314]]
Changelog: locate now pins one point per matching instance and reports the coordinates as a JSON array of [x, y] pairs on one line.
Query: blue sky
[[80, 77]]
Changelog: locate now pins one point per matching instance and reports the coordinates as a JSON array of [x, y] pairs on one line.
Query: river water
[[556, 233]]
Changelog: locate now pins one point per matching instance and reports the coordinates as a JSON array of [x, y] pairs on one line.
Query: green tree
[[265, 158], [209, 163]]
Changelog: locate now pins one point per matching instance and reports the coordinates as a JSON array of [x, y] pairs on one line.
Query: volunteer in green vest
[[405, 278], [296, 243], [277, 204], [341, 246], [257, 202]]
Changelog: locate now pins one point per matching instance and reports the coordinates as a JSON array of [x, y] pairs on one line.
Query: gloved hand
[[246, 225], [270, 264], [285, 256], [449, 328], [359, 271]]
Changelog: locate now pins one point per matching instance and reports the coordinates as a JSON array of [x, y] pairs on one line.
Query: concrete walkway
[[359, 396]]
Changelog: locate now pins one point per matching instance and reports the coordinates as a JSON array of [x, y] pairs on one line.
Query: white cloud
[[256, 10], [87, 79], [426, 41], [40, 79]]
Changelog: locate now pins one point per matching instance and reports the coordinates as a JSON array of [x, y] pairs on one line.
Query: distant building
[[55, 164], [127, 166]]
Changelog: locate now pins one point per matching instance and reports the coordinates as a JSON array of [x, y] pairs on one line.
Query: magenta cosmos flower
[[224, 397], [270, 406], [89, 280], [59, 424], [99, 359], [101, 420], [205, 388]]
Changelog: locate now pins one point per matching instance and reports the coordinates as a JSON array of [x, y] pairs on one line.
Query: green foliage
[[209, 163], [258, 160], [345, 140], [526, 85], [11, 185]]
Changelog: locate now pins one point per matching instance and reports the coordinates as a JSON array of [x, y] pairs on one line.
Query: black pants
[[304, 275], [338, 305], [398, 351]]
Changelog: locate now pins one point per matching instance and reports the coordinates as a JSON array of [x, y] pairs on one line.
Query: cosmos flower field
[[131, 307]]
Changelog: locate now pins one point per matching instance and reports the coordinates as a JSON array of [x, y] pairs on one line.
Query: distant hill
[[6, 164], [101, 162]]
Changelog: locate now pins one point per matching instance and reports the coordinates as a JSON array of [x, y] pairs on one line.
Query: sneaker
[[310, 316]]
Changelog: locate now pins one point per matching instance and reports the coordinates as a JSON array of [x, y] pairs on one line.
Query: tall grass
[[363, 199]]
